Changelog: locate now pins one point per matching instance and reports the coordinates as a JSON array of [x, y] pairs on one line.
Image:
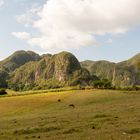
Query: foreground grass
[[78, 115]]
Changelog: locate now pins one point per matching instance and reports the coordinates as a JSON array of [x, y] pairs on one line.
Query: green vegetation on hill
[[3, 78], [54, 71], [26, 70], [18, 59], [87, 64], [13, 62], [123, 74]]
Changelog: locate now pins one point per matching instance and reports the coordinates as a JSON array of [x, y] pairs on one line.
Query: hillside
[[18, 58], [52, 71], [123, 74], [14, 61]]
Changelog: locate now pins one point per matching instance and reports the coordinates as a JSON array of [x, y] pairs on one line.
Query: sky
[[90, 29]]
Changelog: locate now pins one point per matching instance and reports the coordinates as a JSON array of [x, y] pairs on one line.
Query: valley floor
[[71, 115]]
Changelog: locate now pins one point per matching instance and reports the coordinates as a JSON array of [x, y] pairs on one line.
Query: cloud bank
[[72, 24]]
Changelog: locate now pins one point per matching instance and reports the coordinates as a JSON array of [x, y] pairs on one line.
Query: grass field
[[79, 115]]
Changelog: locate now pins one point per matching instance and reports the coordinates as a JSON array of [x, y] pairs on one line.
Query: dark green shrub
[[104, 83], [3, 91]]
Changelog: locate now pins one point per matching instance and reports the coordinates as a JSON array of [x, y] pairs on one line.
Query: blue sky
[[87, 37]]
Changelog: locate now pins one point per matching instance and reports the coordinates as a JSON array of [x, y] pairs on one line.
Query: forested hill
[[25, 70]]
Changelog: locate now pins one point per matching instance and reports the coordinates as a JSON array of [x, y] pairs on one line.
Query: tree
[[104, 83]]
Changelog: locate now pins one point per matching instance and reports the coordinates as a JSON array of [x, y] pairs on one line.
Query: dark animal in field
[[59, 100], [112, 138], [72, 105], [26, 137]]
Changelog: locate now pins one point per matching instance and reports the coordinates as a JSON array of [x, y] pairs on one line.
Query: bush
[[104, 84], [3, 91]]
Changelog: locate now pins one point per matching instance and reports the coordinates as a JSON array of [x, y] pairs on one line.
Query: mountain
[[87, 64], [14, 61], [51, 71], [123, 74], [26, 70], [133, 66], [18, 58]]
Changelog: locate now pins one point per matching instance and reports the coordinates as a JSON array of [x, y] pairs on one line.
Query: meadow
[[71, 115]]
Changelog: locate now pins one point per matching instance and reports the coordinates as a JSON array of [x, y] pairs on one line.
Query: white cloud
[[72, 24], [1, 3], [29, 16], [109, 41], [22, 35]]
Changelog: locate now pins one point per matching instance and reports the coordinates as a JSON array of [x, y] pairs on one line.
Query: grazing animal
[[112, 138], [59, 100], [26, 137], [72, 105], [93, 127]]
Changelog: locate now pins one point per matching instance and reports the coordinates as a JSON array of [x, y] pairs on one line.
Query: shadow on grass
[[101, 116], [71, 130], [133, 131], [36, 130]]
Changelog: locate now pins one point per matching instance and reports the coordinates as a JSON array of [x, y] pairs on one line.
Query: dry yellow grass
[[98, 115]]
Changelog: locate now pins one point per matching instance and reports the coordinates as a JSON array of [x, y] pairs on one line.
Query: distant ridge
[[122, 74]]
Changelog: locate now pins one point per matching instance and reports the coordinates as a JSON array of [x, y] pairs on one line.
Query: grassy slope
[[98, 115]]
